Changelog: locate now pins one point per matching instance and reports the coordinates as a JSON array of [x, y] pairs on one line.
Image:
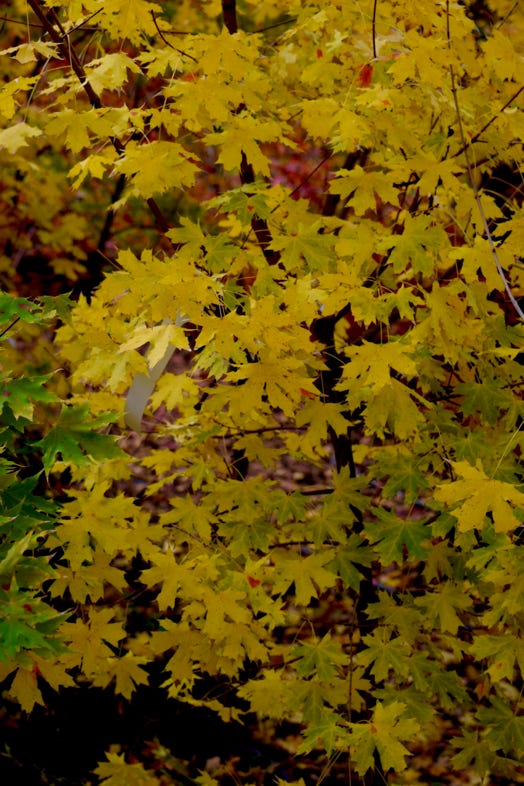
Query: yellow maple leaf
[[110, 71], [24, 689], [127, 672], [92, 166], [159, 337], [308, 574], [156, 167], [242, 135], [475, 495], [8, 91], [16, 136], [371, 364], [393, 406], [117, 772], [88, 637], [54, 672], [362, 186]]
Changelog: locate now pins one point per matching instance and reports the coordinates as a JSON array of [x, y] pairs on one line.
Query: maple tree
[[309, 261]]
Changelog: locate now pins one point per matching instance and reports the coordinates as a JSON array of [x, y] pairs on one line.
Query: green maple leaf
[[448, 688], [328, 731], [320, 658], [19, 395], [247, 534], [504, 728], [502, 652], [392, 535], [247, 201], [23, 507], [404, 474], [391, 727], [383, 734], [349, 557], [290, 506], [419, 243], [441, 607], [439, 561], [487, 397], [474, 751], [75, 439], [385, 654], [308, 574], [404, 618], [306, 242], [20, 307], [393, 407], [312, 697]]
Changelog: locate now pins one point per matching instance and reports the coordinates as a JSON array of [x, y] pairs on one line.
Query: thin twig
[[82, 24], [277, 24], [57, 34], [167, 43], [308, 176], [490, 121], [471, 178], [374, 29], [60, 37], [507, 16], [9, 326], [20, 22]]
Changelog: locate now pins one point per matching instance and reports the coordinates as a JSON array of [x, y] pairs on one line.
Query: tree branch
[[59, 36], [374, 29], [167, 43], [229, 15]]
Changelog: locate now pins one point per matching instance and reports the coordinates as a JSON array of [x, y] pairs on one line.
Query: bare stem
[[374, 28], [490, 121], [167, 43]]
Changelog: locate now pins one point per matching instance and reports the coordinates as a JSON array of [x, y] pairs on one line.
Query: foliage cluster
[[310, 262]]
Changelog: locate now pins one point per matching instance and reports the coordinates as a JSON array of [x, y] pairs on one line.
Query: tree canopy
[[267, 454]]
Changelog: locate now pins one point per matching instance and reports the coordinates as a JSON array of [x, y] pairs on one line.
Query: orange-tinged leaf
[[365, 75]]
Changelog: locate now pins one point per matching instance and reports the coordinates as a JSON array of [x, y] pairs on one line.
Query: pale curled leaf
[[159, 356]]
